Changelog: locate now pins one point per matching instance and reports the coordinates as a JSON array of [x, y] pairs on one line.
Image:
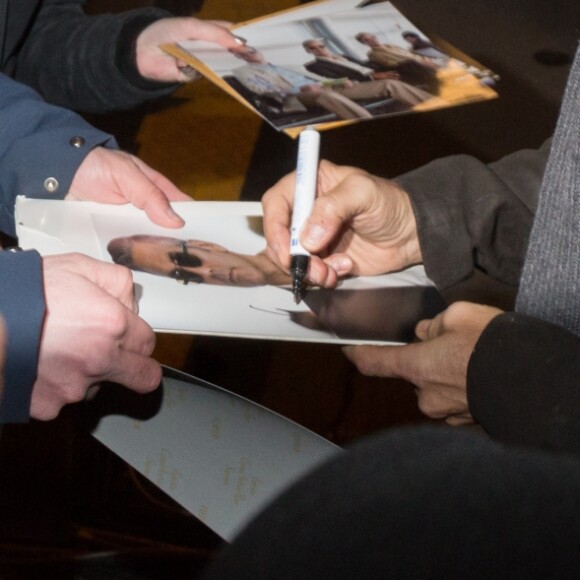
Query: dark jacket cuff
[[126, 53], [523, 383]]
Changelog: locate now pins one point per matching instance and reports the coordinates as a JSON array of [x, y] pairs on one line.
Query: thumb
[[378, 361], [138, 187], [329, 213]]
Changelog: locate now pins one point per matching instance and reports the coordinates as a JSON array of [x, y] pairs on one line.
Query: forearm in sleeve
[[472, 215], [41, 148], [523, 383], [87, 62], [22, 308]]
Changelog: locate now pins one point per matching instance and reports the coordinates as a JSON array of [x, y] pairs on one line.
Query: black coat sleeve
[[85, 62], [470, 214], [523, 383]]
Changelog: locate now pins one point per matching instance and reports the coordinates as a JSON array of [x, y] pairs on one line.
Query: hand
[[438, 364], [109, 176], [91, 334], [363, 223], [155, 64]]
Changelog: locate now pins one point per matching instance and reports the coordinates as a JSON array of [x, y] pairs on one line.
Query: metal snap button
[[51, 184], [77, 142]]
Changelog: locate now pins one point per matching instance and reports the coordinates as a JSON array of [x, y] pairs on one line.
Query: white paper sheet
[[217, 454], [390, 304]]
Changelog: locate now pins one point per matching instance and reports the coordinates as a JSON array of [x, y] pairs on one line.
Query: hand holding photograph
[[214, 277], [335, 62]]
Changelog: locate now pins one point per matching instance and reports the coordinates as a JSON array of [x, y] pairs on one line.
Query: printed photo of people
[[345, 65], [222, 282]]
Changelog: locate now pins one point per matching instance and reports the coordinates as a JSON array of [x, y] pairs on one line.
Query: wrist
[[407, 235], [126, 51]]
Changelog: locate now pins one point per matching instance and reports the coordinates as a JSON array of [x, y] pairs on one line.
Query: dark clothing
[[440, 503], [424, 503], [22, 307], [410, 72], [82, 62], [472, 215], [335, 70], [35, 144], [523, 383], [78, 61]]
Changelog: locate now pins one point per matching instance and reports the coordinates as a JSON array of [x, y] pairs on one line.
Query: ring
[[91, 392], [189, 71]]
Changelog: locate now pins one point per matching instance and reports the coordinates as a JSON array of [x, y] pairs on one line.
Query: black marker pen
[[304, 194]]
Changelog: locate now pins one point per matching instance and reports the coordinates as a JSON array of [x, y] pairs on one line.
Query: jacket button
[[77, 142], [51, 184]]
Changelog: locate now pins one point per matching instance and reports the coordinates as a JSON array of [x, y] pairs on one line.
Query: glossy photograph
[[212, 276], [334, 62]]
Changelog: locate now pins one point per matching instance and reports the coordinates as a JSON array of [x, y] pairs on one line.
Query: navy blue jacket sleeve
[[37, 142], [22, 307], [523, 383]]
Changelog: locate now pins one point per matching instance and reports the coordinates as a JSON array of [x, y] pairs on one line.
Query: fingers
[[436, 397], [321, 273], [460, 316], [137, 373], [110, 176], [429, 329], [379, 361], [170, 190], [277, 210], [211, 30], [91, 334], [460, 420], [139, 188], [114, 279], [336, 207], [438, 402]]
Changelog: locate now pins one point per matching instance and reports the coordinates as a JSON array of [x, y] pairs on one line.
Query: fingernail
[[347, 351], [340, 264], [422, 328], [314, 234], [174, 217], [241, 41]]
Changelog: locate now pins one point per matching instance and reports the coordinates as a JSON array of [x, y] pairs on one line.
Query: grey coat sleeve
[[86, 62], [470, 214]]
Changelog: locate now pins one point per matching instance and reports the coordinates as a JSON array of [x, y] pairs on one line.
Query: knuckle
[[427, 405], [456, 311], [125, 276], [149, 378], [113, 323], [368, 364], [94, 367], [148, 344]]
